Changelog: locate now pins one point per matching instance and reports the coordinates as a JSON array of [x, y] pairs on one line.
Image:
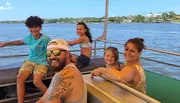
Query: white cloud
[[7, 6], [2, 8]]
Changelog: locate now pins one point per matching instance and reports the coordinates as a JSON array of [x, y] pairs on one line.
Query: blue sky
[[21, 9]]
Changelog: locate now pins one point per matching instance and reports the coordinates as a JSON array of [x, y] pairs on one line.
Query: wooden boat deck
[[102, 91], [8, 78], [8, 73], [99, 90]]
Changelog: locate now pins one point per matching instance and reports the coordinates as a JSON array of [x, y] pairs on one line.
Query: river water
[[159, 36]]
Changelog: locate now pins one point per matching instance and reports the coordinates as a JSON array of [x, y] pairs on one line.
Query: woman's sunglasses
[[55, 52]]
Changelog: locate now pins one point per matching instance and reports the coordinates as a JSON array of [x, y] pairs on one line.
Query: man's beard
[[59, 67]]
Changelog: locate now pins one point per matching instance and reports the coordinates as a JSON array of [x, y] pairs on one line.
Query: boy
[[36, 62]]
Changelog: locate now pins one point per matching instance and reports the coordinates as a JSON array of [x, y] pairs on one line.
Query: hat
[[61, 44]]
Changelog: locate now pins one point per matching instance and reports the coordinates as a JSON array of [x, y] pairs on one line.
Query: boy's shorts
[[34, 68]]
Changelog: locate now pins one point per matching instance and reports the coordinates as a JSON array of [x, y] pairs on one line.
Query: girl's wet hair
[[114, 50], [138, 42], [88, 34], [34, 21]]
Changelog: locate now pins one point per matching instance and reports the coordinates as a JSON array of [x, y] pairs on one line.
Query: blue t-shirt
[[37, 48]]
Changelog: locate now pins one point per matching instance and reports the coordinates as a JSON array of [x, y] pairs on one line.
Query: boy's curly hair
[[34, 21]]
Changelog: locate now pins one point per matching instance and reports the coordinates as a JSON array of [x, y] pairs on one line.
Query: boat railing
[[150, 49], [118, 43], [20, 55]]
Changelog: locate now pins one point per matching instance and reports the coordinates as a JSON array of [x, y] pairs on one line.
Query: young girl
[[111, 57], [84, 42], [132, 72]]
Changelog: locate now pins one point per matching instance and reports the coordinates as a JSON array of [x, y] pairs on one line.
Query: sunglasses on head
[[55, 52]]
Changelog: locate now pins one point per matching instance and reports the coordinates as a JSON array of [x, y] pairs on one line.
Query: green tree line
[[163, 17]]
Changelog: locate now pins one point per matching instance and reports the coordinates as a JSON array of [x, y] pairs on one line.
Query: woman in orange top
[[131, 72]]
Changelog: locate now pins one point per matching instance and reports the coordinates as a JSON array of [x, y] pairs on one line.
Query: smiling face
[[109, 57], [80, 30], [35, 31], [131, 53], [57, 62]]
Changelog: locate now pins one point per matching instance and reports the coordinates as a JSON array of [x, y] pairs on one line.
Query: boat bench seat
[[8, 73]]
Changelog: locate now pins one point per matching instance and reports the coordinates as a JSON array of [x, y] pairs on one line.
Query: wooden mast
[[103, 36]]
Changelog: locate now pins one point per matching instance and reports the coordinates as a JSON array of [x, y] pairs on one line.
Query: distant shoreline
[[108, 23], [164, 17]]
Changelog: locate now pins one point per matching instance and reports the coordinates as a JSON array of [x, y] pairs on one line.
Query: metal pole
[[94, 48]]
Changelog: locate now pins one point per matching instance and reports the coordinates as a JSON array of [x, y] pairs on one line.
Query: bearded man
[[67, 84]]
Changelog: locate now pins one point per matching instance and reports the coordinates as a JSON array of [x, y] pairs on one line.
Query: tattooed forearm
[[60, 87]]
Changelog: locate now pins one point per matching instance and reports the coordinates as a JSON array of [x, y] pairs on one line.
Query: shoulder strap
[[142, 83]]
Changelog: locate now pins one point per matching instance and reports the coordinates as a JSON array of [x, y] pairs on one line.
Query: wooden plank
[[8, 73], [102, 91]]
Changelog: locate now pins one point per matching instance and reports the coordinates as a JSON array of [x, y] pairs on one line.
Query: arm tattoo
[[60, 87]]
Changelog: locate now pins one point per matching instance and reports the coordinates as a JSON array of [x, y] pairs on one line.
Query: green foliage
[[164, 17], [172, 14], [139, 18], [116, 19]]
